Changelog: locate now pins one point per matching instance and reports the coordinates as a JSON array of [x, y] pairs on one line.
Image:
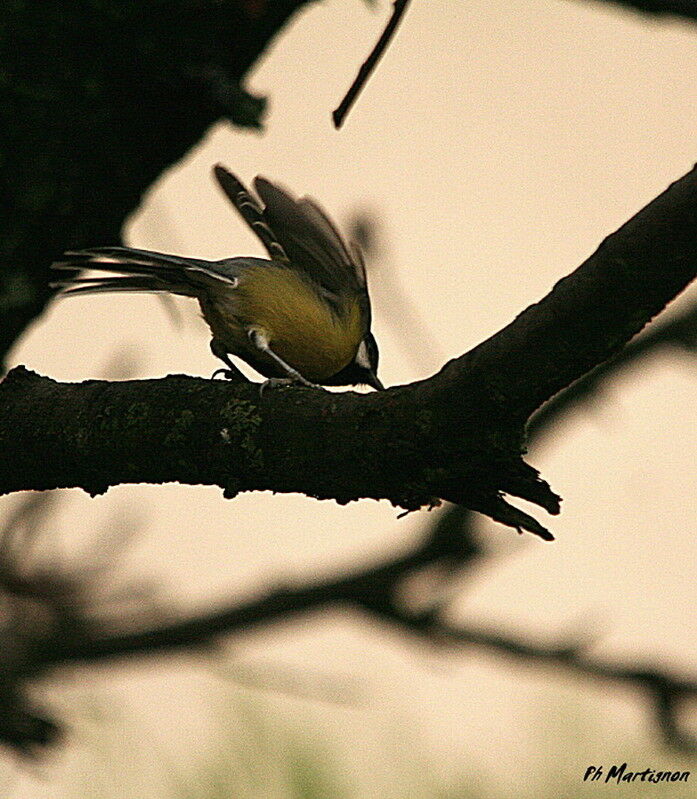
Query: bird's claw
[[227, 374], [279, 382]]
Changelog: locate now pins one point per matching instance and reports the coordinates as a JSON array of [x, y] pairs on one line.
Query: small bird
[[303, 315]]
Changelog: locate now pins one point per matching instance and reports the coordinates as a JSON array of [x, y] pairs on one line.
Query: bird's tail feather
[[141, 270], [94, 285]]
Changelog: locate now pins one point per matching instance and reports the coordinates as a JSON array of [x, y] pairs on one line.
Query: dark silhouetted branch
[[685, 9], [368, 66], [679, 333], [582, 322], [378, 590], [457, 436]]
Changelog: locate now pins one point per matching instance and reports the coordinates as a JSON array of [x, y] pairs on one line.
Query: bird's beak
[[374, 381]]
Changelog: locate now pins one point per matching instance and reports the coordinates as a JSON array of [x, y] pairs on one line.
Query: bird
[[302, 315]]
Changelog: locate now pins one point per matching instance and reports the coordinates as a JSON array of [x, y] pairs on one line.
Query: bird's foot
[[279, 382], [229, 374]]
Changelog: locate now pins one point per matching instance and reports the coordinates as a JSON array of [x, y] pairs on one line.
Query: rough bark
[[458, 435]]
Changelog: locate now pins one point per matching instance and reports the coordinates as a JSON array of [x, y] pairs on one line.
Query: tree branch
[[678, 333], [687, 9], [397, 445], [665, 693], [367, 68], [457, 436], [593, 312], [67, 637]]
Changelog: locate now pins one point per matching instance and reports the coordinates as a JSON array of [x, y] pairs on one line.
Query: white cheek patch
[[362, 356]]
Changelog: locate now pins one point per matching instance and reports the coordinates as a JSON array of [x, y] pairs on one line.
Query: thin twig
[[339, 114]]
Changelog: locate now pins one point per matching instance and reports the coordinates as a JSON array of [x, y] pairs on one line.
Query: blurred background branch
[[687, 9], [61, 617]]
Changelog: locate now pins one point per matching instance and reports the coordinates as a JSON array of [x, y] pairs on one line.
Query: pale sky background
[[500, 143]]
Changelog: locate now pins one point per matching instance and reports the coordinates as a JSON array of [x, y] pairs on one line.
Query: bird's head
[[363, 368]]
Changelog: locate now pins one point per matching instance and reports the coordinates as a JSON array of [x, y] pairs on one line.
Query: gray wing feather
[[298, 231], [310, 238], [251, 211]]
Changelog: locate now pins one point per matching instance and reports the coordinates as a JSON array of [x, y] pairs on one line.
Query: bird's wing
[[298, 232], [311, 240], [251, 211]]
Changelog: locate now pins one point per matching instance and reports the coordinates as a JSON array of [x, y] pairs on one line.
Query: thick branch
[[679, 333], [591, 314], [396, 445], [457, 436]]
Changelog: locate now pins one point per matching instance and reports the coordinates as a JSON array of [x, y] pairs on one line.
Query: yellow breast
[[301, 327]]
